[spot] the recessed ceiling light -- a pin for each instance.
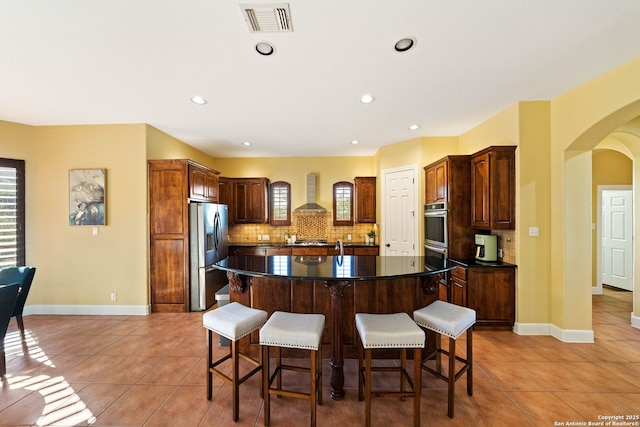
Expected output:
(404, 44)
(367, 99)
(198, 100)
(355, 142)
(414, 127)
(246, 143)
(265, 48)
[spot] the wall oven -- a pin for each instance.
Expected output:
(435, 225)
(435, 257)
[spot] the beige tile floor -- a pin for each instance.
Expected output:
(150, 371)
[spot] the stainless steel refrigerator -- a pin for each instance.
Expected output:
(208, 243)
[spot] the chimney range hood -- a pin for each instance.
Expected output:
(311, 205)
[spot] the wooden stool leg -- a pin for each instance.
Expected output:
(319, 374)
(209, 363)
(403, 366)
(470, 362)
(360, 372)
(417, 386)
(313, 390)
(265, 385)
(235, 384)
(452, 375)
(438, 357)
(367, 387)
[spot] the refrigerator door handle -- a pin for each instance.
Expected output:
(216, 230)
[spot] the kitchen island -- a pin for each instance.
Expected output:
(336, 286)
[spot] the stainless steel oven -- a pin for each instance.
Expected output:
(435, 257)
(435, 224)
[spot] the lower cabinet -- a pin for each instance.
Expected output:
(489, 290)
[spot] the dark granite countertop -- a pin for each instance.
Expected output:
(472, 262)
(347, 267)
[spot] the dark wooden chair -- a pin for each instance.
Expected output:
(23, 276)
(8, 296)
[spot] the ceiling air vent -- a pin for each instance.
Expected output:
(267, 18)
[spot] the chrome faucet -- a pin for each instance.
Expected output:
(340, 246)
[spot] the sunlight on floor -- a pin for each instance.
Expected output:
(62, 405)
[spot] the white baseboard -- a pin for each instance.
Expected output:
(564, 335)
(635, 321)
(130, 310)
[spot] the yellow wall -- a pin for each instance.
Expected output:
(73, 266)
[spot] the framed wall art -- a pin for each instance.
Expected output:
(87, 196)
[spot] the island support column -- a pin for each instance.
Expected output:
(336, 375)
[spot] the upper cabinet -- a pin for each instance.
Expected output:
(493, 188)
(203, 183)
(436, 184)
(250, 200)
(365, 199)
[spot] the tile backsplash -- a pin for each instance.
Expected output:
(305, 225)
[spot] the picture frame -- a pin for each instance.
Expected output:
(87, 197)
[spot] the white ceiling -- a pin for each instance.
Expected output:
(68, 62)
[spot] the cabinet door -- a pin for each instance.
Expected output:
(502, 182)
(169, 275)
(491, 293)
(212, 186)
(225, 195)
(436, 182)
(250, 200)
(458, 291)
(480, 191)
(197, 183)
(365, 199)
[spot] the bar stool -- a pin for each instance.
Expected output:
(451, 320)
(292, 330)
(232, 321)
(398, 331)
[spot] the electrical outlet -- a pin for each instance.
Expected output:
(114, 297)
(259, 236)
(265, 237)
(348, 236)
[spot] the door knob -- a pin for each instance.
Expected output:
(388, 245)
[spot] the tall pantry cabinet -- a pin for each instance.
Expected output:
(172, 184)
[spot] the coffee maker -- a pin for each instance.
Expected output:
(486, 247)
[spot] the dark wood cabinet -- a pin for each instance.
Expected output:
(436, 182)
(447, 180)
(493, 188)
(489, 290)
(203, 184)
(172, 183)
(365, 192)
(249, 200)
(458, 287)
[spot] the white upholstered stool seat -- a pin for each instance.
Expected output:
(298, 331)
(452, 321)
(389, 331)
(232, 321)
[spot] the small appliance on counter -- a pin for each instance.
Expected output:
(486, 247)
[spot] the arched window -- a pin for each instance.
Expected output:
(280, 203)
(342, 203)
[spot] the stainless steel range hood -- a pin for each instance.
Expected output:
(311, 205)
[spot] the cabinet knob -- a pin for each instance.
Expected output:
(388, 245)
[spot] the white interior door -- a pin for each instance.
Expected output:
(616, 240)
(399, 212)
